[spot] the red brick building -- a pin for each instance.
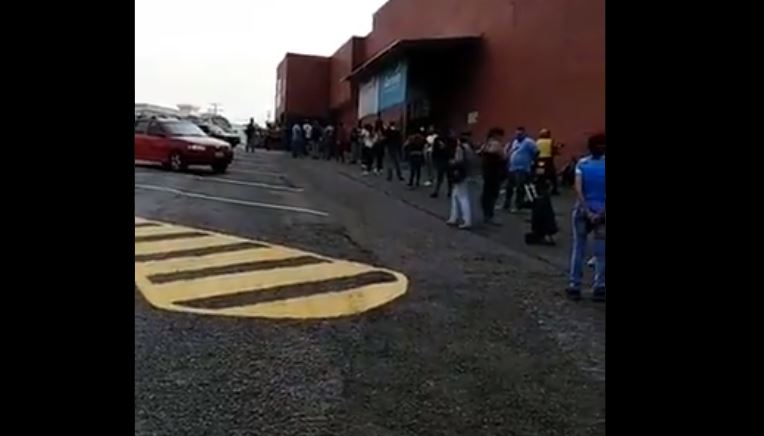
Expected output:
(463, 64)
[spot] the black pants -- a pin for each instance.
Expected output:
(339, 153)
(379, 156)
(441, 169)
(367, 157)
(516, 184)
(491, 188)
(415, 169)
(550, 173)
(394, 162)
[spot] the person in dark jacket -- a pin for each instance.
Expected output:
(394, 144)
(379, 145)
(543, 220)
(250, 132)
(414, 149)
(493, 160)
(356, 144)
(443, 148)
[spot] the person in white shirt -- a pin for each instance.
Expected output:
(432, 135)
(307, 130)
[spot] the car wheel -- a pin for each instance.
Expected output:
(219, 168)
(176, 162)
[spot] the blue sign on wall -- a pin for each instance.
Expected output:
(392, 86)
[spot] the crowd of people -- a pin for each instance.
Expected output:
(524, 166)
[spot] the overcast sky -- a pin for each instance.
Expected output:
(226, 51)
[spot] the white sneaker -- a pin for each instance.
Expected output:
(591, 262)
(365, 173)
(428, 183)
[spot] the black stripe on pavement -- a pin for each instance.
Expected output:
(147, 225)
(194, 252)
(169, 236)
(234, 268)
(307, 289)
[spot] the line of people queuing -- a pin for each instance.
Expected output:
(311, 139)
(523, 165)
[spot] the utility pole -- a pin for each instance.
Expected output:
(215, 108)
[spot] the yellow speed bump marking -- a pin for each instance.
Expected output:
(185, 269)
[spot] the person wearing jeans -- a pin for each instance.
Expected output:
(461, 202)
(589, 217)
(521, 154)
(516, 181)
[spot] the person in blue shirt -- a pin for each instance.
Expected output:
(589, 218)
(521, 154)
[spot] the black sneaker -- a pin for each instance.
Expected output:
(573, 294)
(599, 295)
(434, 195)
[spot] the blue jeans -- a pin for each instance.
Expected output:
(580, 236)
(516, 184)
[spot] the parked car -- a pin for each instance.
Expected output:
(176, 144)
(216, 126)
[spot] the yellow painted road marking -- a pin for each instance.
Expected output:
(159, 230)
(181, 244)
(285, 289)
(330, 304)
(257, 280)
(186, 264)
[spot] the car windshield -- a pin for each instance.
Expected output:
(183, 128)
(222, 123)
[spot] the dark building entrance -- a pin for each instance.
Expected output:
(437, 76)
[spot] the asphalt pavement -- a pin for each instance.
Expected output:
(480, 341)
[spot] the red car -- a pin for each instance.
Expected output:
(176, 144)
